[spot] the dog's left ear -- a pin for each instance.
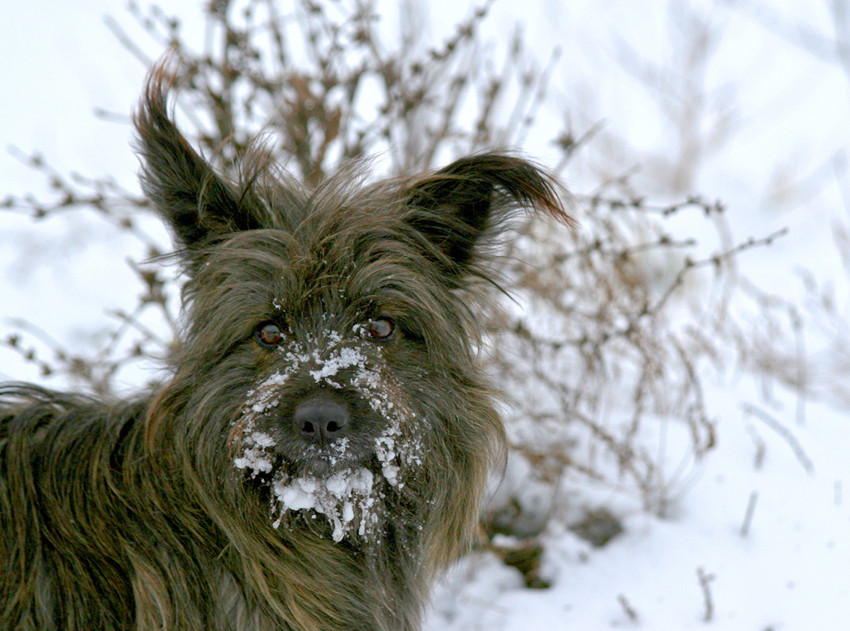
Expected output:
(194, 200)
(454, 207)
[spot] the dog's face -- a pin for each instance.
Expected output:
(331, 332)
(341, 354)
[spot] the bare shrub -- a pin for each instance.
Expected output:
(805, 343)
(599, 357)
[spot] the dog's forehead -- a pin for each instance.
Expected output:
(297, 275)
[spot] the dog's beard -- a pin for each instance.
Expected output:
(345, 483)
(352, 498)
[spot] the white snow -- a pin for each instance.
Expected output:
(339, 360)
(255, 453)
(787, 570)
(784, 165)
(335, 497)
(263, 397)
(353, 493)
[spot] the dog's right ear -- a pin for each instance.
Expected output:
(196, 202)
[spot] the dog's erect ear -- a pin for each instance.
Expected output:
(455, 206)
(183, 187)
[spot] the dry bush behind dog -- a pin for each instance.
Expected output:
(602, 358)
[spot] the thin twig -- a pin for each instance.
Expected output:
(751, 410)
(705, 585)
(627, 607)
(748, 516)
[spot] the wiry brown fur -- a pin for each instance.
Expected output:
(132, 515)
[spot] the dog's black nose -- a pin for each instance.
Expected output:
(321, 420)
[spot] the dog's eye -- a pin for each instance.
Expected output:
(380, 328)
(269, 334)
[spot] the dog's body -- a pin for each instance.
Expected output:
(323, 445)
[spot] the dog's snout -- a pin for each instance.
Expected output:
(321, 420)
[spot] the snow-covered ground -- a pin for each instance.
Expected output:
(768, 528)
(759, 535)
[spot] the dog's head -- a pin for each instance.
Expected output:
(330, 333)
